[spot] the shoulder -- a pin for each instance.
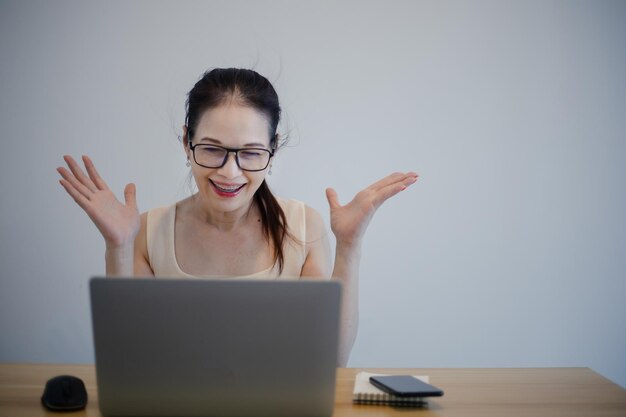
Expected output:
(145, 217)
(156, 213)
(154, 223)
(294, 211)
(156, 219)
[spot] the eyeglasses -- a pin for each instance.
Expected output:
(248, 159)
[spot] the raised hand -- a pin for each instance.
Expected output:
(118, 222)
(349, 222)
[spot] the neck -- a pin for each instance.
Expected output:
(222, 220)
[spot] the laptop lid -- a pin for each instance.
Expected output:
(183, 347)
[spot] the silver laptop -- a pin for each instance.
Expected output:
(178, 347)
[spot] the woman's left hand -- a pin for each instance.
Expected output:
(350, 221)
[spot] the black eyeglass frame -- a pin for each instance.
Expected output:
(228, 152)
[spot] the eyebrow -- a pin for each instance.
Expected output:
(218, 142)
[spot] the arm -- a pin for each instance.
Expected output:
(318, 264)
(348, 223)
(346, 271)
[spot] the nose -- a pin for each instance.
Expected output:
(230, 168)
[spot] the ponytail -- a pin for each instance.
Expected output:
(274, 222)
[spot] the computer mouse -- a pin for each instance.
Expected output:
(64, 393)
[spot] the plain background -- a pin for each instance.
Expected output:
(508, 252)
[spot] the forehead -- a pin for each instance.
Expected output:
(233, 125)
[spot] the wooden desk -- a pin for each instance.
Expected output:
(468, 392)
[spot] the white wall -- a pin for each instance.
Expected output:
(508, 252)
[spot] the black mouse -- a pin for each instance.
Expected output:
(64, 393)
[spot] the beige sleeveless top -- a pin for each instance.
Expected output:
(162, 255)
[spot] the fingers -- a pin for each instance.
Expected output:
(79, 174)
(71, 180)
(130, 195)
(389, 179)
(387, 192)
(333, 200)
(381, 190)
(93, 174)
(79, 198)
(399, 183)
(408, 179)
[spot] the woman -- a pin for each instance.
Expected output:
(233, 226)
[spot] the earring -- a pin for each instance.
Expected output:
(270, 171)
(188, 163)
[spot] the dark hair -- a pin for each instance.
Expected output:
(248, 88)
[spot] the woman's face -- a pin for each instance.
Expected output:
(229, 188)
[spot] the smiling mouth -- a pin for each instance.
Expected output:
(229, 190)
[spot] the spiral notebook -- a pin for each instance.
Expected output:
(366, 393)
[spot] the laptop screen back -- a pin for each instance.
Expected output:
(168, 347)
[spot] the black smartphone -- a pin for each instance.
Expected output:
(405, 386)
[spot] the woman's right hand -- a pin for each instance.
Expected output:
(118, 222)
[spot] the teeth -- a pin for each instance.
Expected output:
(228, 189)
